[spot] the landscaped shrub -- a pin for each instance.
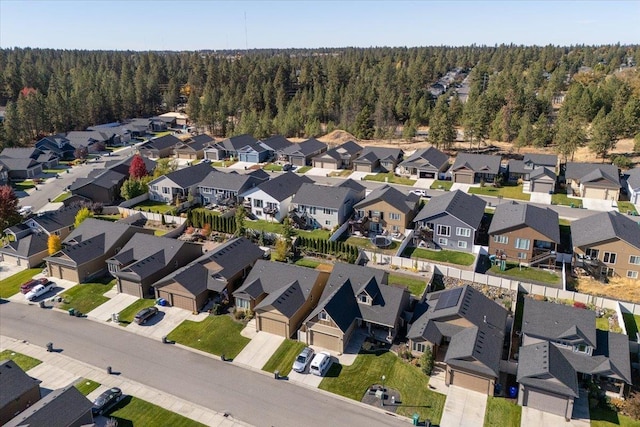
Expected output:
(578, 304)
(427, 361)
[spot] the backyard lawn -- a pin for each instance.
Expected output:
(132, 411)
(441, 185)
(526, 273)
(502, 412)
(451, 257)
(25, 362)
(318, 233)
(86, 386)
(154, 206)
(631, 323)
(126, 316)
(602, 323)
(606, 418)
(11, 285)
(272, 167)
(309, 263)
(282, 360)
(507, 191)
(415, 396)
(266, 226)
(364, 243)
(216, 334)
(390, 178)
(625, 207)
(415, 285)
(303, 170)
(62, 197)
(563, 199)
(84, 297)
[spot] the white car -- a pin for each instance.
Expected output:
(38, 291)
(421, 193)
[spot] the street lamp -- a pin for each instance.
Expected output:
(382, 398)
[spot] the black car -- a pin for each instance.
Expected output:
(287, 167)
(106, 401)
(145, 314)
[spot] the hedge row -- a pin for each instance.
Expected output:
(340, 249)
(199, 217)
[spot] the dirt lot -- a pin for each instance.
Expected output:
(620, 288)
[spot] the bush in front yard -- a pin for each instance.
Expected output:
(427, 361)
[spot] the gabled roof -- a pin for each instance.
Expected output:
(161, 143)
(548, 160)
(354, 185)
(187, 177)
(19, 164)
(392, 196)
(633, 178)
(260, 174)
(276, 142)
(196, 143)
(46, 157)
(27, 246)
(541, 172)
(55, 143)
(371, 155)
(15, 382)
(427, 158)
(123, 165)
(237, 142)
(322, 196)
(107, 179)
(591, 172)
(228, 181)
(304, 148)
(84, 138)
(605, 226)
(287, 300)
(514, 215)
(201, 140)
(60, 408)
(52, 221)
(468, 208)
(349, 148)
(478, 163)
(284, 185)
(21, 152)
(543, 365)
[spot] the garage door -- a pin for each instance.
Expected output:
(541, 187)
(363, 168)
(325, 341)
(546, 402)
(470, 382)
(298, 161)
(182, 302)
(9, 259)
(272, 326)
(595, 193)
(427, 175)
(463, 178)
(130, 288)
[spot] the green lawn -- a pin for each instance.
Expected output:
(452, 257)
(502, 412)
(343, 173)
(215, 334)
(507, 191)
(160, 232)
(266, 226)
(625, 207)
(62, 197)
(111, 218)
(86, 386)
(353, 381)
(24, 185)
(306, 262)
(526, 273)
(363, 242)
(84, 297)
(606, 418)
(318, 233)
(11, 285)
(272, 167)
(631, 323)
(126, 315)
(153, 206)
(223, 163)
(441, 185)
(390, 178)
(416, 286)
(25, 362)
(282, 360)
(161, 134)
(602, 323)
(564, 222)
(303, 170)
(132, 411)
(563, 199)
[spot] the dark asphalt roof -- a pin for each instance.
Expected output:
(228, 181)
(187, 177)
(21, 152)
(304, 148)
(427, 158)
(544, 366)
(550, 321)
(60, 408)
(284, 185)
(322, 196)
(349, 148)
(605, 226)
(370, 155)
(633, 178)
(590, 172)
(14, 382)
(549, 160)
(27, 246)
(235, 143)
(392, 196)
(513, 215)
(107, 179)
(276, 142)
(354, 185)
(55, 220)
(19, 164)
(467, 208)
(539, 172)
(287, 300)
(162, 142)
(485, 163)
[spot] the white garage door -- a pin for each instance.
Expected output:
(546, 402)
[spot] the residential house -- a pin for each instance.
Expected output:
(58, 145)
(20, 169)
(386, 209)
(633, 185)
(474, 168)
(64, 407)
(271, 199)
(322, 206)
(217, 273)
(18, 392)
(607, 244)
(47, 159)
(94, 140)
(280, 295)
(451, 221)
(118, 133)
(521, 169)
(301, 154)
(525, 234)
(561, 347)
(178, 120)
(145, 259)
(179, 183)
(340, 157)
(193, 148)
(426, 163)
(59, 222)
(541, 180)
(161, 123)
(85, 251)
(159, 148)
(593, 180)
(465, 330)
(378, 159)
(123, 166)
(355, 299)
(27, 251)
(225, 188)
(229, 147)
(276, 143)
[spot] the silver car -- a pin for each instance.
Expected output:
(303, 360)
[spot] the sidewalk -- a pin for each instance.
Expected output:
(57, 370)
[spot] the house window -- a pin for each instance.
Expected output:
(258, 213)
(323, 316)
(419, 347)
(395, 228)
(632, 274)
(165, 190)
(607, 271)
(592, 253)
(462, 244)
(154, 187)
(394, 216)
(523, 244)
(580, 348)
(609, 258)
(327, 211)
(634, 259)
(464, 232)
(327, 222)
(444, 230)
(442, 241)
(243, 304)
(257, 203)
(501, 239)
(312, 210)
(362, 298)
(376, 214)
(522, 255)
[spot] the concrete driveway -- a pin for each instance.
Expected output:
(167, 319)
(9, 269)
(462, 187)
(357, 176)
(424, 183)
(61, 285)
(241, 165)
(542, 198)
(116, 304)
(319, 172)
(580, 418)
(465, 408)
(258, 352)
(598, 205)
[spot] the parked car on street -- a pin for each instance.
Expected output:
(419, 192)
(145, 314)
(303, 360)
(38, 291)
(27, 286)
(106, 401)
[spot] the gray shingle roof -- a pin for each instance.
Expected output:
(354, 185)
(228, 181)
(107, 179)
(633, 178)
(162, 142)
(27, 246)
(605, 226)
(539, 172)
(287, 300)
(276, 142)
(614, 347)
(590, 172)
(84, 138)
(397, 199)
(514, 215)
(60, 408)
(549, 160)
(543, 365)
(349, 148)
(304, 148)
(550, 321)
(55, 220)
(371, 154)
(284, 185)
(20, 152)
(235, 143)
(189, 176)
(322, 196)
(485, 163)
(467, 208)
(427, 158)
(14, 382)
(19, 164)
(198, 142)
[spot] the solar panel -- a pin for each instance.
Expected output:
(449, 299)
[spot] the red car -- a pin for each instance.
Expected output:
(28, 286)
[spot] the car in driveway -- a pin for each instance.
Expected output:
(320, 364)
(38, 291)
(303, 360)
(145, 314)
(106, 401)
(27, 286)
(287, 167)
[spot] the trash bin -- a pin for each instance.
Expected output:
(276, 375)
(109, 371)
(49, 347)
(41, 304)
(72, 311)
(416, 419)
(513, 392)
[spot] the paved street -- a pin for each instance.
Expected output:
(249, 396)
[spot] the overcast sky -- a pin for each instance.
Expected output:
(194, 25)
